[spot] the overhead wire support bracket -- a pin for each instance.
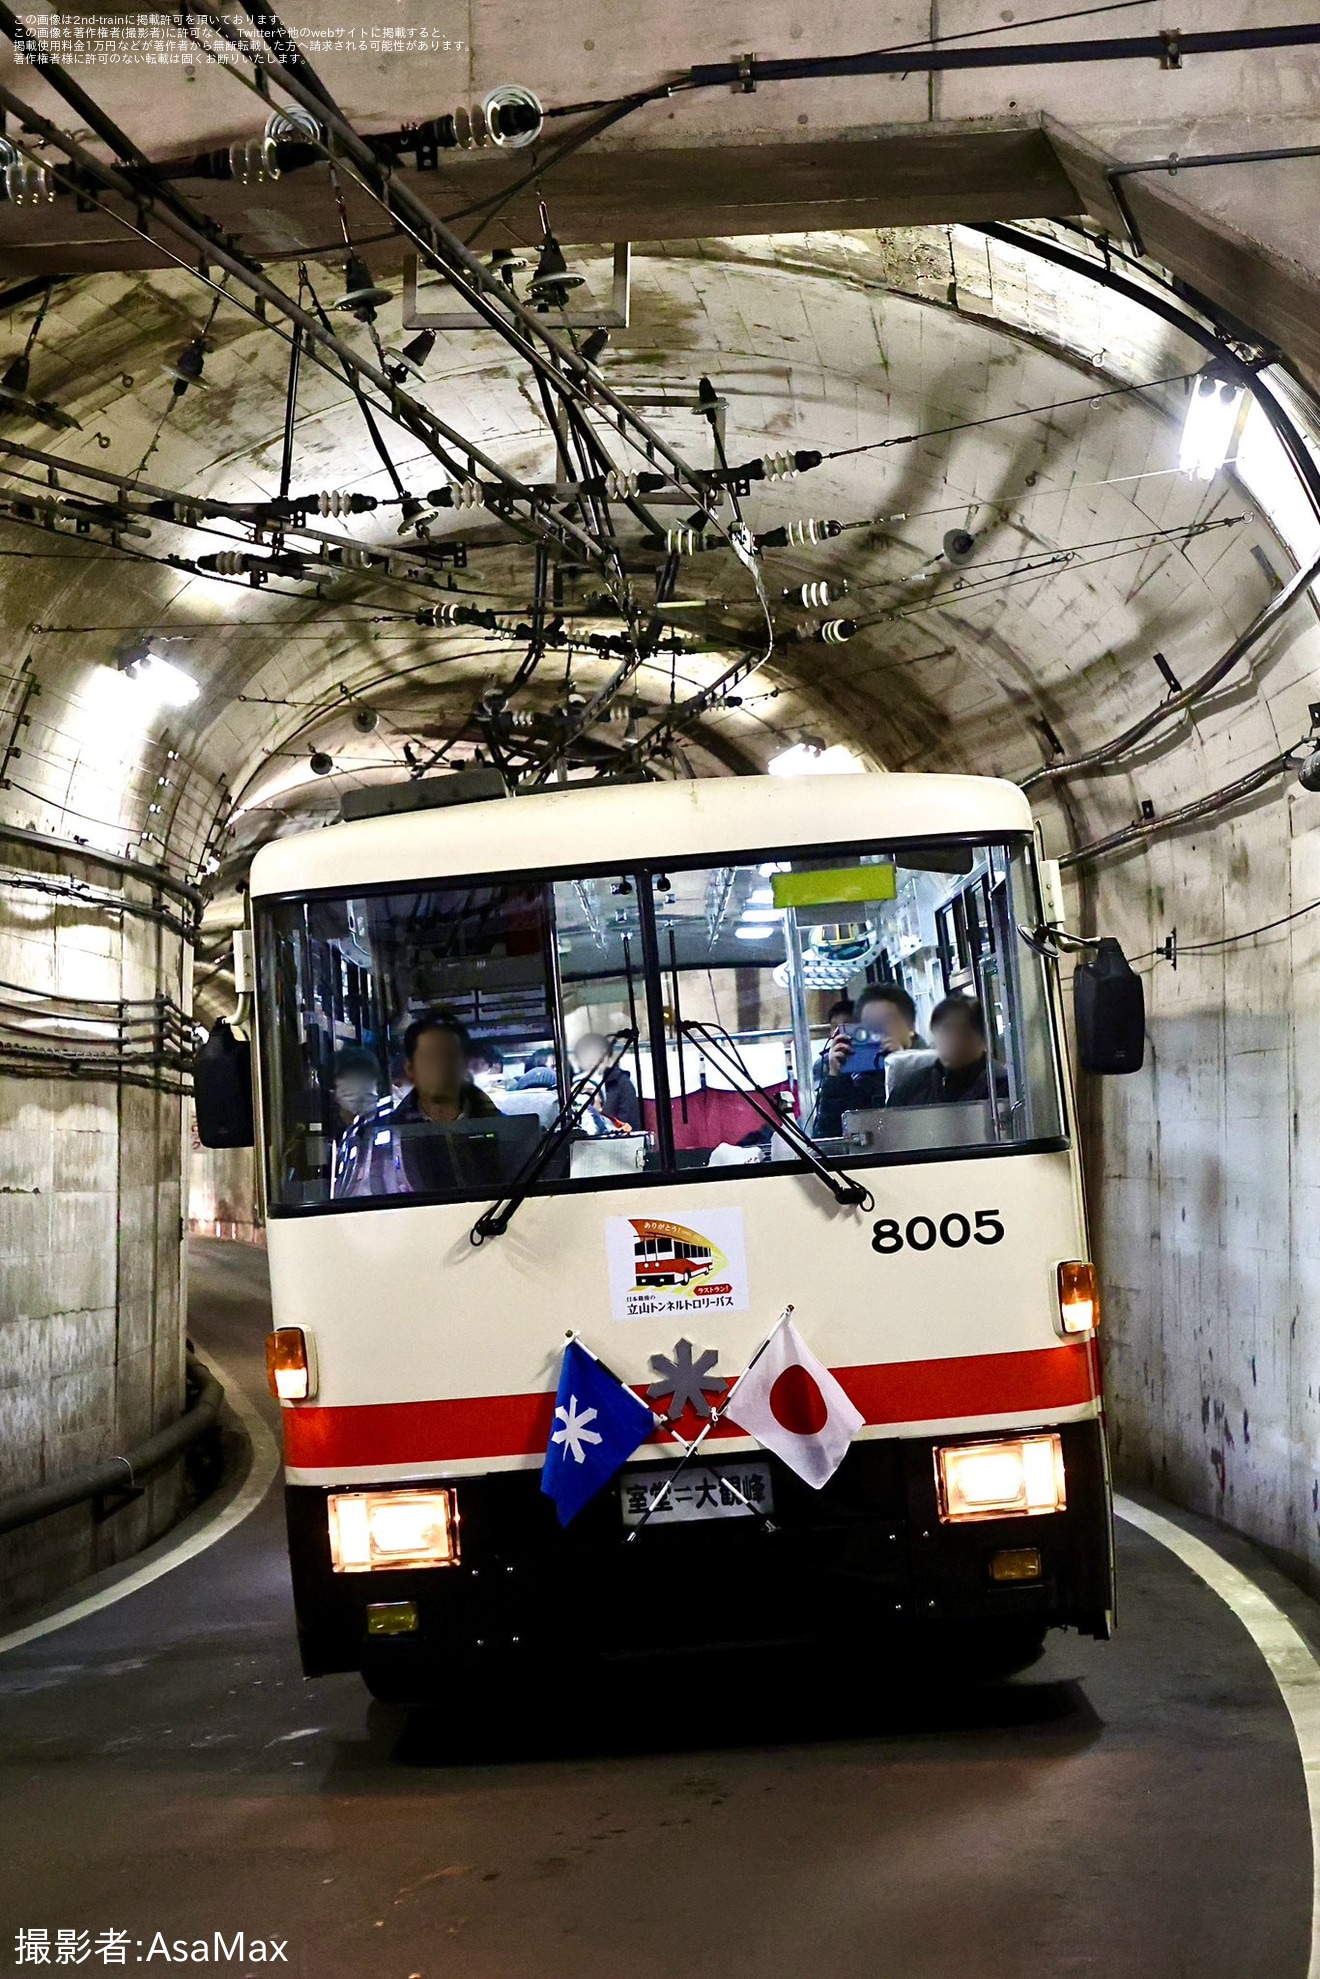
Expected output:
(527, 332)
(616, 316)
(134, 182)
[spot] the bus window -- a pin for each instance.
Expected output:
(424, 1041)
(598, 948)
(462, 975)
(951, 1043)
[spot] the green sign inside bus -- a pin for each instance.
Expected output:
(847, 886)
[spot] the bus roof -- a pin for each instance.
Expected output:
(577, 826)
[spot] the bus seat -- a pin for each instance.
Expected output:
(899, 1063)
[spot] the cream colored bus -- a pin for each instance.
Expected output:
(655, 1137)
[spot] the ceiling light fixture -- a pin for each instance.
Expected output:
(1210, 425)
(165, 682)
(812, 758)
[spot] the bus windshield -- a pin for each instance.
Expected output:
(421, 1041)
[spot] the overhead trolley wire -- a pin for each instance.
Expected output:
(996, 418)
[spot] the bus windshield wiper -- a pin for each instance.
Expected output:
(720, 1050)
(493, 1222)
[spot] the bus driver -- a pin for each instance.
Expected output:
(436, 1051)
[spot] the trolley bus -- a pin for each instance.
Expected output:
(691, 937)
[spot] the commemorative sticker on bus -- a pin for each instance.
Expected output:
(658, 1265)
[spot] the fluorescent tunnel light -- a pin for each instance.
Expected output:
(165, 682)
(1212, 413)
(803, 760)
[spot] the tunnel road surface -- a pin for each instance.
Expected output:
(1131, 1808)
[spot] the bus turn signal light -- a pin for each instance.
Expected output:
(288, 1364)
(1079, 1298)
(1008, 1479)
(377, 1529)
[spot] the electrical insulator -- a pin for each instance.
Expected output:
(226, 563)
(520, 718)
(769, 467)
(294, 122)
(618, 484)
(835, 631)
(814, 595)
(188, 514)
(683, 541)
(508, 116)
(451, 612)
(459, 494)
(332, 501)
(253, 160)
(796, 535)
(352, 557)
(28, 184)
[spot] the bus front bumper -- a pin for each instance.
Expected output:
(867, 1555)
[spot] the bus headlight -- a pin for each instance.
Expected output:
(1020, 1475)
(374, 1529)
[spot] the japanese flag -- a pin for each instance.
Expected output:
(790, 1402)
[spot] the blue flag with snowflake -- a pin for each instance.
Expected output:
(598, 1424)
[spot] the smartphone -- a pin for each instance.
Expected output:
(869, 1050)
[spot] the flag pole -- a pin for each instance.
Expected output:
(717, 1416)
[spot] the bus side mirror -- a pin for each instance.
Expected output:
(1109, 1009)
(222, 1090)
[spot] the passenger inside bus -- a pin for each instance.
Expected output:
(485, 1061)
(538, 1073)
(617, 1099)
(357, 1084)
(885, 1022)
(961, 1068)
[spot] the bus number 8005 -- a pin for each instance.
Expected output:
(922, 1233)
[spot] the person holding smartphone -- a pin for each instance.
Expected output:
(885, 1020)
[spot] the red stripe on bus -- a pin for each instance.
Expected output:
(1030, 1383)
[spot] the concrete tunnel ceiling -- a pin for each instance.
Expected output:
(1092, 552)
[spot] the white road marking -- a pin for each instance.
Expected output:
(1289, 1657)
(203, 1532)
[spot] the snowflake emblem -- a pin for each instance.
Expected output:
(685, 1381)
(575, 1433)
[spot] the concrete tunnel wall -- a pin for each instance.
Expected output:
(1203, 1172)
(92, 1286)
